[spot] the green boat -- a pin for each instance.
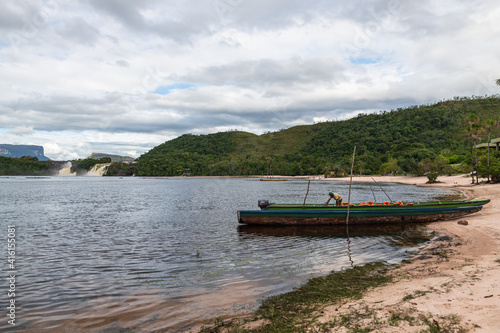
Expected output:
(356, 216)
(266, 205)
(423, 212)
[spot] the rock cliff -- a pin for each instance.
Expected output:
(114, 158)
(8, 150)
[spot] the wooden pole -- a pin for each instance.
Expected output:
(350, 185)
(347, 217)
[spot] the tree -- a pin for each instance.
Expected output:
(488, 124)
(472, 121)
(495, 168)
(390, 167)
(476, 131)
(498, 82)
(432, 176)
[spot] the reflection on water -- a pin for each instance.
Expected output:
(349, 252)
(397, 235)
(333, 230)
(160, 253)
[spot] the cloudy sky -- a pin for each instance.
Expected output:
(122, 76)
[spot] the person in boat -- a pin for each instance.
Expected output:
(336, 196)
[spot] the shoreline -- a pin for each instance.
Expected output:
(453, 280)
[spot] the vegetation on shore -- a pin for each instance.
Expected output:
(31, 166)
(120, 169)
(24, 166)
(420, 140)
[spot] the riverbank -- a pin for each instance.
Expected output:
(451, 285)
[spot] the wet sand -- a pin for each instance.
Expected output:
(456, 275)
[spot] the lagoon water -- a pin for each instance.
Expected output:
(167, 254)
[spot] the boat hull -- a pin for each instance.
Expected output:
(359, 216)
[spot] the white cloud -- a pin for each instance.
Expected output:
(22, 130)
(79, 77)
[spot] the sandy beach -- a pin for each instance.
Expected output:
(456, 277)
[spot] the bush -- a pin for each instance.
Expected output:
(432, 176)
(120, 169)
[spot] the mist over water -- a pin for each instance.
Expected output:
(94, 248)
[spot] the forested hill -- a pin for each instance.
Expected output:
(404, 137)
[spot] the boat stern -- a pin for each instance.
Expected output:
(263, 204)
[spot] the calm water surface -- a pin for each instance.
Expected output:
(162, 254)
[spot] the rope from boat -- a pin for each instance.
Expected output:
(374, 198)
(304, 205)
(382, 189)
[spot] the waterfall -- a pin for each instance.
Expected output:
(98, 170)
(66, 170)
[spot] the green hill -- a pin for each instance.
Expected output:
(403, 136)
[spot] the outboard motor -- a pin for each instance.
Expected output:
(263, 204)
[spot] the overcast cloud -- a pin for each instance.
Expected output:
(121, 77)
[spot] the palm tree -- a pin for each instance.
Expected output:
(476, 130)
(469, 135)
(498, 82)
(472, 120)
(488, 124)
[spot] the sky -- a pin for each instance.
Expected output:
(122, 76)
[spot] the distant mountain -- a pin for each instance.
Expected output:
(23, 150)
(114, 158)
